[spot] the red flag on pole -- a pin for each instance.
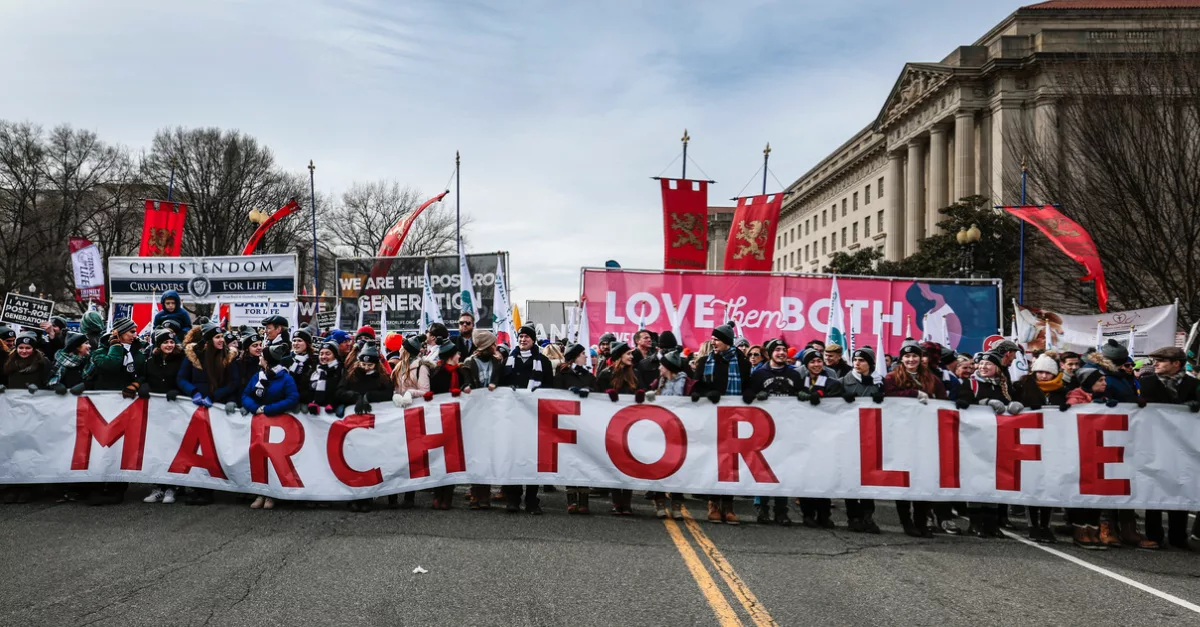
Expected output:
(390, 247)
(282, 213)
(162, 229)
(1070, 238)
(685, 224)
(751, 244)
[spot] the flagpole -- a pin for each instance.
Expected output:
(1021, 275)
(171, 185)
(684, 139)
(458, 202)
(312, 198)
(766, 157)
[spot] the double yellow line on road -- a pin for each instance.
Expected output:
(726, 616)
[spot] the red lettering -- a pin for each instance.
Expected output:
(420, 442)
(730, 447)
(1093, 454)
(335, 451)
(279, 454)
(948, 455)
(130, 424)
(616, 441)
(1010, 452)
(550, 435)
(198, 450)
(870, 448)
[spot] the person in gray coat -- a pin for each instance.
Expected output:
(860, 382)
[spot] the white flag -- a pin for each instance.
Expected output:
(837, 317)
(155, 307)
(383, 318)
(1019, 367)
(88, 265)
(585, 336)
(430, 312)
(1129, 346)
(572, 326)
(502, 322)
(1099, 334)
(880, 361)
(337, 323)
(466, 284)
(361, 308)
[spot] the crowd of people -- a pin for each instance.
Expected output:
(274, 369)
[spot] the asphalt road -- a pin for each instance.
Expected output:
(138, 564)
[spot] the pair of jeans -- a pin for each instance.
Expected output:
(512, 495)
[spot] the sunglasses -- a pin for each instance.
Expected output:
(465, 323)
(758, 355)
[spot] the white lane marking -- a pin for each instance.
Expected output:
(1108, 573)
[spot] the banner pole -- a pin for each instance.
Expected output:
(312, 197)
(766, 158)
(458, 202)
(684, 139)
(1021, 272)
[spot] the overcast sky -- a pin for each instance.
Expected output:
(562, 110)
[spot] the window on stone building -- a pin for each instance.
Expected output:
(806, 252)
(843, 237)
(824, 221)
(822, 245)
(833, 242)
(854, 232)
(806, 227)
(778, 241)
(843, 207)
(855, 206)
(879, 221)
(879, 188)
(867, 196)
(867, 226)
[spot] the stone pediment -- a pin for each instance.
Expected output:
(916, 81)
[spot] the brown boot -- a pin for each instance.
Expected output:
(1107, 536)
(660, 506)
(714, 512)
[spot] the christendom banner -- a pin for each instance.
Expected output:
(751, 244)
(685, 224)
(1089, 456)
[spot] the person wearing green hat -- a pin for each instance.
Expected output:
(92, 327)
(122, 365)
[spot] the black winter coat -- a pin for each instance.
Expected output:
(162, 371)
(1155, 391)
(518, 373)
(719, 380)
(1030, 395)
(22, 373)
(301, 374)
(784, 382)
(605, 382)
(470, 368)
(377, 387)
(331, 376)
(574, 377)
(974, 391)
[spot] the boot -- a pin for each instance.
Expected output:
(1129, 532)
(676, 509)
(1082, 538)
(781, 518)
(869, 525)
(714, 512)
(1107, 536)
(410, 500)
(660, 507)
(393, 501)
(572, 502)
(764, 514)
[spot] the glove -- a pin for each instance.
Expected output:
(329, 409)
(747, 398)
(1112, 402)
(398, 399)
(428, 396)
(877, 397)
(639, 396)
(1015, 408)
(143, 391)
(172, 394)
(762, 396)
(1194, 406)
(407, 401)
(651, 395)
(612, 395)
(2, 389)
(997, 406)
(76, 389)
(961, 403)
(814, 399)
(362, 406)
(455, 392)
(130, 391)
(60, 389)
(848, 397)
(583, 392)
(33, 388)
(313, 409)
(922, 397)
(198, 399)
(1065, 407)
(244, 411)
(229, 407)
(695, 396)
(803, 396)
(1141, 402)
(714, 397)
(340, 412)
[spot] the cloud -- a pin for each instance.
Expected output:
(562, 111)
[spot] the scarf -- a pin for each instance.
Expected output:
(298, 360)
(263, 377)
(1171, 383)
(453, 370)
(321, 374)
(64, 361)
(127, 362)
(734, 384)
(1000, 382)
(1053, 384)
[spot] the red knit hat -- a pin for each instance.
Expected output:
(393, 342)
(365, 330)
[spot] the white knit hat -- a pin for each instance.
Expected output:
(1045, 363)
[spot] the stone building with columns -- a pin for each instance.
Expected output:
(947, 130)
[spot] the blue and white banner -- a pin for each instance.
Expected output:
(203, 279)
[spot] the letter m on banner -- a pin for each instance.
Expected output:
(130, 424)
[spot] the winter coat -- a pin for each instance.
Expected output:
(678, 385)
(949, 380)
(785, 381)
(279, 394)
(162, 371)
(574, 377)
(376, 387)
(1155, 391)
(976, 391)
(605, 382)
(194, 380)
(443, 381)
(470, 367)
(109, 371)
(646, 368)
(323, 383)
(1030, 395)
(22, 373)
(841, 369)
(860, 387)
(179, 315)
(248, 367)
(416, 380)
(67, 376)
(718, 381)
(1121, 386)
(519, 372)
(301, 372)
(893, 385)
(824, 385)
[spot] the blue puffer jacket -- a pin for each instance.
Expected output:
(179, 315)
(192, 377)
(279, 394)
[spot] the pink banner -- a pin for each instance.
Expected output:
(796, 308)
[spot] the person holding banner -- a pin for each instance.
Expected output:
(1169, 384)
(818, 381)
(723, 372)
(250, 346)
(525, 369)
(72, 365)
(861, 383)
(325, 379)
(774, 378)
(365, 383)
(484, 369)
(172, 309)
(122, 365)
(911, 379)
(301, 363)
(447, 379)
(209, 374)
(26, 366)
(162, 368)
(270, 393)
(1042, 387)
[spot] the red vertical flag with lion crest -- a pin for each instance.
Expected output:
(751, 245)
(162, 229)
(1070, 238)
(685, 224)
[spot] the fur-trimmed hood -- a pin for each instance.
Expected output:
(190, 351)
(1100, 361)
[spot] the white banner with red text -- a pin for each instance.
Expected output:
(1091, 455)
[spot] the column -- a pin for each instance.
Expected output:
(984, 153)
(964, 154)
(939, 184)
(914, 197)
(1006, 164)
(894, 246)
(1045, 117)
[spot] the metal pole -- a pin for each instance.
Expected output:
(684, 139)
(457, 203)
(1021, 274)
(312, 198)
(766, 157)
(171, 185)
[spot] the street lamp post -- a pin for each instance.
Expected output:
(967, 238)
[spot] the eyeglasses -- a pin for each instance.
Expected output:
(465, 323)
(758, 355)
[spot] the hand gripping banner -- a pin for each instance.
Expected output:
(1089, 456)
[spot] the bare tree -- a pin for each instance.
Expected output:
(1121, 155)
(358, 225)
